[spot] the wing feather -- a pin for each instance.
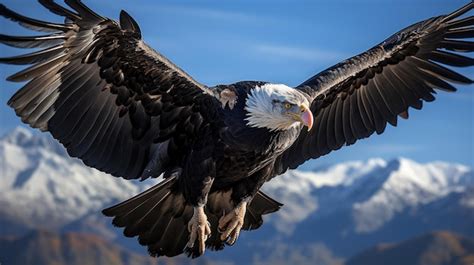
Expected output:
(363, 112)
(330, 130)
(27, 42)
(457, 45)
(37, 69)
(33, 24)
(338, 121)
(357, 125)
(346, 123)
(322, 135)
(449, 58)
(59, 10)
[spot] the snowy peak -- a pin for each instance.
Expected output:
(18, 136)
(343, 174)
(409, 185)
(26, 138)
(421, 183)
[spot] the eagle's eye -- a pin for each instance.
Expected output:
(287, 106)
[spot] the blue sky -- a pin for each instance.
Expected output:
(286, 42)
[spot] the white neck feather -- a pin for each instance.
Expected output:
(260, 108)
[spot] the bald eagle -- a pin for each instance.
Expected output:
(126, 110)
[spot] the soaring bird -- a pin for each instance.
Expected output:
(126, 110)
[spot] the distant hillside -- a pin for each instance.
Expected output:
(438, 248)
(48, 248)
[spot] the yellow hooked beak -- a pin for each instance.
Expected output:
(305, 116)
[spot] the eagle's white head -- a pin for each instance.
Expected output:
(277, 107)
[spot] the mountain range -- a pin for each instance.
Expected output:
(330, 214)
(42, 247)
(438, 248)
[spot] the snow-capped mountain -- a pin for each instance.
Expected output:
(299, 190)
(41, 187)
(373, 191)
(409, 185)
(347, 206)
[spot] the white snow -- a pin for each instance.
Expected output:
(409, 185)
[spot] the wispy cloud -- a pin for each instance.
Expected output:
(298, 53)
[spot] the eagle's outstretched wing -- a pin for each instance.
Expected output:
(358, 96)
(101, 91)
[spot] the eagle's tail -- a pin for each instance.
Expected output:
(159, 217)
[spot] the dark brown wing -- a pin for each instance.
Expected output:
(357, 97)
(100, 90)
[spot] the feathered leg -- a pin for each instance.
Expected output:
(196, 182)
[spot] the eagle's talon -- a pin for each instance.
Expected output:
(199, 229)
(231, 224)
(233, 237)
(219, 230)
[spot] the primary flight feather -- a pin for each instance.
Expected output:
(125, 109)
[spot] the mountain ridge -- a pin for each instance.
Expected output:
(436, 248)
(42, 247)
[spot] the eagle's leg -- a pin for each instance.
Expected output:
(242, 193)
(196, 180)
(199, 229)
(231, 223)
